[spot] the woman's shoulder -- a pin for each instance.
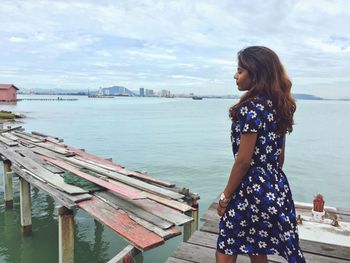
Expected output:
(258, 103)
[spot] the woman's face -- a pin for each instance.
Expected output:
(243, 79)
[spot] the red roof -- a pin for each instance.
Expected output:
(8, 86)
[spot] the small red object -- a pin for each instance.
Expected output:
(319, 203)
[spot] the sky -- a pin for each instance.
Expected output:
(183, 46)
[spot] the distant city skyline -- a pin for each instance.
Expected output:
(183, 46)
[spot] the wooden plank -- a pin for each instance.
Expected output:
(211, 227)
(51, 178)
(11, 129)
(106, 184)
(328, 250)
(44, 135)
(10, 136)
(205, 239)
(183, 207)
(165, 201)
(127, 180)
(119, 221)
(115, 175)
(25, 143)
(28, 153)
(162, 211)
(53, 148)
(211, 214)
(126, 255)
(166, 234)
(112, 166)
(131, 207)
(63, 198)
(28, 136)
(7, 141)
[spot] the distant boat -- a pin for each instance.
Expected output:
(197, 98)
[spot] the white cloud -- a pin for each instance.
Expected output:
(144, 42)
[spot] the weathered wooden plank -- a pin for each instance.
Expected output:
(44, 135)
(211, 227)
(28, 136)
(162, 211)
(128, 180)
(53, 179)
(114, 175)
(119, 221)
(10, 136)
(46, 152)
(166, 234)
(131, 207)
(183, 207)
(28, 153)
(115, 167)
(125, 255)
(211, 214)
(327, 250)
(11, 129)
(100, 182)
(54, 148)
(205, 239)
(7, 141)
(25, 143)
(63, 198)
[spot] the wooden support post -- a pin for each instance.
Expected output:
(25, 206)
(192, 226)
(8, 194)
(65, 235)
(126, 255)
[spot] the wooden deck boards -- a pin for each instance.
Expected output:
(142, 209)
(201, 246)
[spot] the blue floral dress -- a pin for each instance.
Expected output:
(260, 218)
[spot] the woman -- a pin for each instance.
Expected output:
(257, 209)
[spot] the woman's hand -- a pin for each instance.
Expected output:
(221, 208)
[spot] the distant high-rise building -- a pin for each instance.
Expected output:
(165, 93)
(142, 92)
(149, 93)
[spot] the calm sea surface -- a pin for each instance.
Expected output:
(181, 140)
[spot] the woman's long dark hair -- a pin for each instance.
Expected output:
(269, 80)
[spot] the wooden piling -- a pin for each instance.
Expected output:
(26, 207)
(126, 255)
(8, 191)
(65, 235)
(191, 227)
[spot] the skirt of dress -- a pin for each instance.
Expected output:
(260, 219)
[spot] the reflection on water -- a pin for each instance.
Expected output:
(92, 240)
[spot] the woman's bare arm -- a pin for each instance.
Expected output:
(240, 166)
(281, 158)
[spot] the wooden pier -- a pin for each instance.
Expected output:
(142, 209)
(321, 242)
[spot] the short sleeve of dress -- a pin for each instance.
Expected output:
(249, 115)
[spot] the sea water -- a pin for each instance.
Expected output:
(181, 140)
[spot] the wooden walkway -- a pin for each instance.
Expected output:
(142, 209)
(320, 242)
